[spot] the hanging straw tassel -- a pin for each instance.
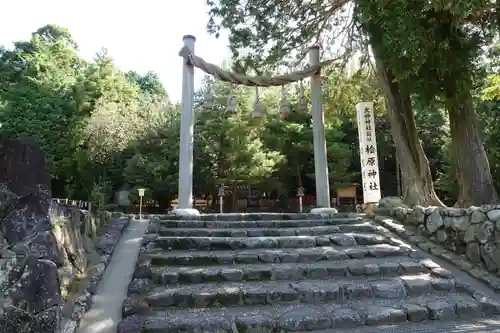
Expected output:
(284, 104)
(259, 109)
(231, 102)
(208, 100)
(302, 99)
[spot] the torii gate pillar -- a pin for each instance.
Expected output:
(187, 136)
(320, 159)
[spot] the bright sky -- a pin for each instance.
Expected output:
(140, 35)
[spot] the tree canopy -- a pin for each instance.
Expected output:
(103, 129)
(423, 52)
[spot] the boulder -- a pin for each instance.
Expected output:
(42, 246)
(493, 215)
(66, 222)
(473, 252)
(457, 223)
(30, 293)
(418, 215)
(33, 286)
(485, 232)
(477, 216)
(23, 169)
(390, 202)
(434, 220)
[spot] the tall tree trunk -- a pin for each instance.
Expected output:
(473, 169)
(417, 185)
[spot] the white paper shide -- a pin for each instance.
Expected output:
(368, 152)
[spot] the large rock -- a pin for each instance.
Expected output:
(30, 293)
(27, 228)
(485, 232)
(42, 246)
(390, 202)
(477, 216)
(38, 286)
(434, 220)
(419, 214)
(470, 233)
(23, 169)
(31, 285)
(28, 217)
(457, 223)
(7, 200)
(66, 224)
(491, 256)
(494, 214)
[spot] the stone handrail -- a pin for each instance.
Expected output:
(473, 233)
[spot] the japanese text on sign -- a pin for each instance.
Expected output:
(368, 152)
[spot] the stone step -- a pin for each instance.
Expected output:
(462, 324)
(331, 315)
(372, 267)
(251, 216)
(266, 232)
(466, 324)
(256, 224)
(347, 289)
(200, 258)
(233, 243)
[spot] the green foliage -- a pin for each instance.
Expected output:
(85, 115)
(293, 137)
(492, 91)
(489, 115)
(99, 194)
(435, 138)
(433, 47)
(149, 83)
(491, 88)
(36, 87)
(446, 181)
(154, 162)
(102, 128)
(229, 145)
(432, 50)
(269, 33)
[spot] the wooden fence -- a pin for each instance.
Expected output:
(87, 205)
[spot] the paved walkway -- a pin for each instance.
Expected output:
(107, 302)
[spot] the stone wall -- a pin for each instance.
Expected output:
(30, 257)
(44, 247)
(47, 278)
(110, 226)
(473, 233)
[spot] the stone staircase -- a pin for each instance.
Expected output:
(287, 273)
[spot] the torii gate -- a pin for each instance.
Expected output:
(190, 60)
